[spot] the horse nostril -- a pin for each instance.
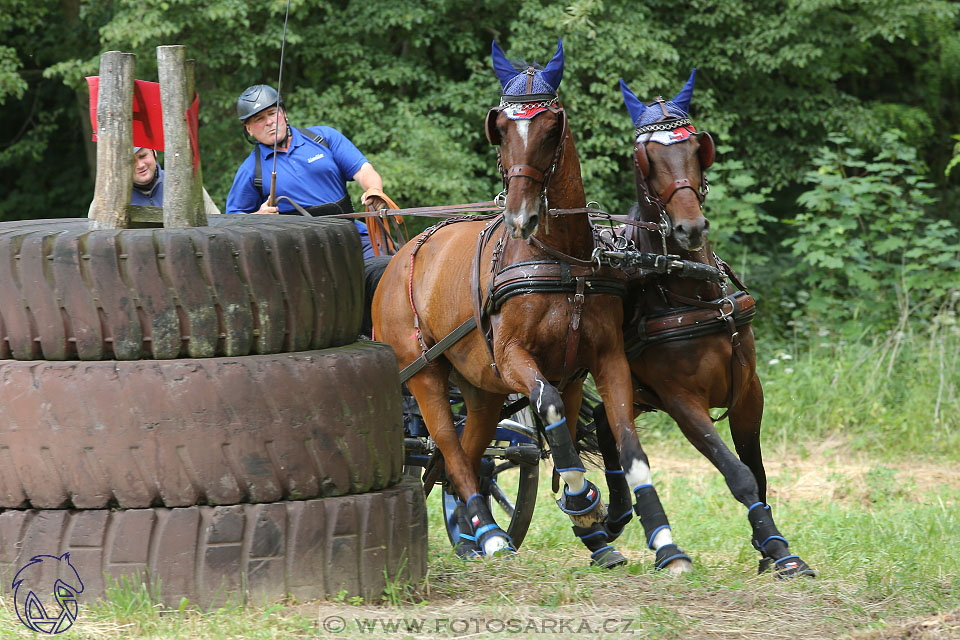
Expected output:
(706, 225)
(533, 222)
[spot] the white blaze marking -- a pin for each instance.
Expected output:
(523, 128)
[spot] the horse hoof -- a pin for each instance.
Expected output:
(607, 558)
(504, 553)
(498, 545)
(673, 559)
(678, 567)
(786, 567)
(468, 550)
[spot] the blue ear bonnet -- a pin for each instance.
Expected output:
(518, 86)
(514, 81)
(642, 115)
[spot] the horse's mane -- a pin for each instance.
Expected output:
(520, 65)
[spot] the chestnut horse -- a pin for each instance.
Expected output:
(548, 312)
(690, 342)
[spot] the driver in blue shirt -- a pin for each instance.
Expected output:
(313, 167)
(311, 171)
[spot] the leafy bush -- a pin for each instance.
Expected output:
(867, 249)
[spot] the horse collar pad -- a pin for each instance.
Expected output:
(668, 137)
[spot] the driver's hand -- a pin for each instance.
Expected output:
(266, 208)
(376, 203)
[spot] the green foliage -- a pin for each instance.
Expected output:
(865, 245)
(955, 160)
(738, 221)
(410, 82)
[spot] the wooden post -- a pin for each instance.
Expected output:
(182, 187)
(114, 141)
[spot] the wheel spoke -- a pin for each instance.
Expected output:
(497, 493)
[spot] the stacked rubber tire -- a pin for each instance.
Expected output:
(191, 407)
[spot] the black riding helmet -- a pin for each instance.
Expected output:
(255, 99)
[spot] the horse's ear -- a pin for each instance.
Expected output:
(640, 159)
(490, 127)
(552, 74)
(707, 150)
(504, 70)
(634, 107)
(682, 99)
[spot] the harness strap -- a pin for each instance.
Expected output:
(426, 235)
(481, 306)
(727, 269)
(436, 350)
(550, 276)
(559, 255)
(526, 171)
(676, 185)
(728, 317)
(258, 171)
(573, 330)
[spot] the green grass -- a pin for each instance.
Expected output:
(890, 396)
(862, 460)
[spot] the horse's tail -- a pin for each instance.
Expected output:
(588, 446)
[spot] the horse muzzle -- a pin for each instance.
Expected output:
(690, 235)
(521, 225)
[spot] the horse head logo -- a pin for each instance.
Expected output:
(45, 594)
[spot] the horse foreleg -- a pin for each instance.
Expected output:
(580, 499)
(483, 414)
(430, 389)
(584, 504)
(745, 421)
(694, 421)
(620, 508)
(613, 382)
(521, 371)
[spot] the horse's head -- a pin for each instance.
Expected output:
(529, 126)
(670, 158)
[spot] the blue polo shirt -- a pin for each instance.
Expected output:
(308, 173)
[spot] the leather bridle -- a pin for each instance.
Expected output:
(540, 176)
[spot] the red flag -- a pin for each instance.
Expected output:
(147, 113)
(193, 128)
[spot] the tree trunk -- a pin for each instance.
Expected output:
(114, 141)
(183, 204)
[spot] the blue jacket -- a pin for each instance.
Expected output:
(153, 198)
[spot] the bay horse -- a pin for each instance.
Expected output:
(544, 314)
(689, 342)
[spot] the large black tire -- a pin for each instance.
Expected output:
(306, 549)
(215, 431)
(246, 284)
